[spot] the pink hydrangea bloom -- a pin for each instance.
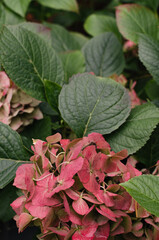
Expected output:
(71, 189)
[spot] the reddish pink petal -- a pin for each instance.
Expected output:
(74, 217)
(90, 198)
(92, 184)
(18, 204)
(37, 211)
(70, 169)
(72, 194)
(86, 233)
(107, 213)
(80, 206)
(60, 232)
(102, 232)
(64, 143)
(25, 171)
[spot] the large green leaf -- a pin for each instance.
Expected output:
(12, 154)
(144, 189)
(133, 19)
(149, 55)
(135, 132)
(149, 154)
(67, 5)
(104, 55)
(90, 104)
(62, 40)
(96, 24)
(18, 6)
(28, 60)
(73, 63)
(43, 31)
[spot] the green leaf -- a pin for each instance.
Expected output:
(62, 40)
(133, 19)
(28, 60)
(104, 55)
(149, 154)
(90, 104)
(12, 154)
(40, 129)
(153, 4)
(67, 5)
(73, 63)
(96, 24)
(135, 132)
(80, 38)
(7, 196)
(152, 90)
(144, 189)
(18, 6)
(149, 55)
(52, 91)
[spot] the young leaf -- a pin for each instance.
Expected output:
(90, 104)
(28, 60)
(73, 63)
(149, 55)
(135, 132)
(32, 131)
(104, 55)
(96, 24)
(80, 38)
(62, 40)
(133, 19)
(52, 91)
(149, 154)
(18, 6)
(144, 189)
(67, 5)
(12, 154)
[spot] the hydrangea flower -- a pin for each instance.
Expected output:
(71, 189)
(17, 109)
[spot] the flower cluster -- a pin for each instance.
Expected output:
(17, 109)
(71, 190)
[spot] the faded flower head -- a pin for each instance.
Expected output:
(17, 109)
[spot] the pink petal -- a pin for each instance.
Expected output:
(18, 204)
(37, 211)
(102, 232)
(80, 206)
(24, 220)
